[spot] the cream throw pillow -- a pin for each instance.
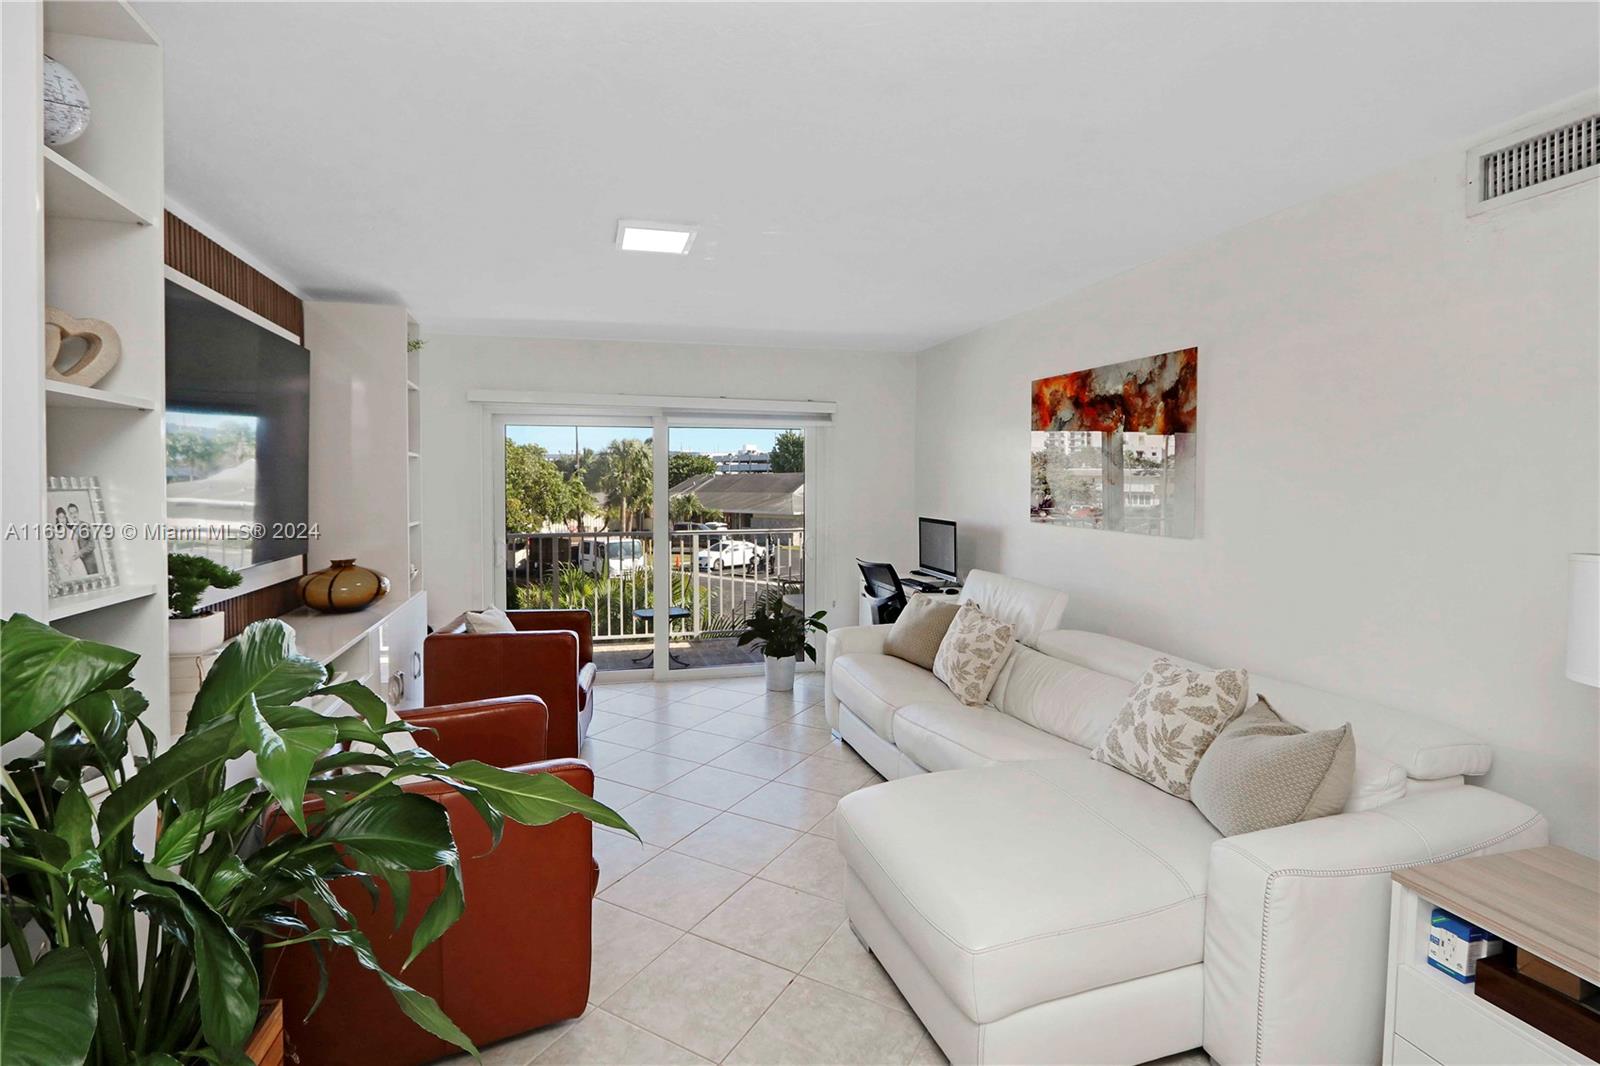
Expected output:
(1170, 719)
(1262, 772)
(971, 654)
(920, 629)
(489, 620)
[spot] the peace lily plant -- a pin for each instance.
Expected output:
(172, 841)
(782, 633)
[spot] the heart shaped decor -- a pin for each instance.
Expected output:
(101, 348)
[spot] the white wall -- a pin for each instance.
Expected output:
(1398, 429)
(866, 479)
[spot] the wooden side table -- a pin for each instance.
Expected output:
(1544, 900)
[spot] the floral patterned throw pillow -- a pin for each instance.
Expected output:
(1169, 721)
(971, 654)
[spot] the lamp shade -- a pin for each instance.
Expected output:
(1583, 620)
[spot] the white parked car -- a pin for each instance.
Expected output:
(727, 553)
(611, 558)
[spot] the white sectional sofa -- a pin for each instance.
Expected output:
(1036, 906)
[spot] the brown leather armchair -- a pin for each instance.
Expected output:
(551, 655)
(517, 959)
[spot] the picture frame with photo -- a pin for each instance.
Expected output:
(79, 550)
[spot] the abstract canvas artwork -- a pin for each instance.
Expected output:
(1114, 447)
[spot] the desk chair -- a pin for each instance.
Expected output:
(884, 592)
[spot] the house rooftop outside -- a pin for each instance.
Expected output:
(753, 494)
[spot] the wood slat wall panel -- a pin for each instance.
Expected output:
(249, 607)
(192, 253)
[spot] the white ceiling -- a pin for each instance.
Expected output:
(882, 176)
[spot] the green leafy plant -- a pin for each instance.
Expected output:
(188, 577)
(789, 452)
(173, 841)
(779, 630)
(681, 466)
(539, 492)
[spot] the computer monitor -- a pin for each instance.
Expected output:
(936, 540)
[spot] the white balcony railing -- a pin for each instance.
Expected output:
(716, 576)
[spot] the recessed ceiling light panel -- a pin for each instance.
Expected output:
(666, 238)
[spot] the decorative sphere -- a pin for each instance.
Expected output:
(66, 105)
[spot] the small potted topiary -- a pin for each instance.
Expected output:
(188, 576)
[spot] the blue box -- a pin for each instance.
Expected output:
(1455, 945)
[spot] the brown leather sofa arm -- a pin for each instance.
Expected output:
(579, 622)
(500, 731)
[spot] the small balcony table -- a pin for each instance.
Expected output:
(648, 614)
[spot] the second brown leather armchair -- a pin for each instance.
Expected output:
(551, 655)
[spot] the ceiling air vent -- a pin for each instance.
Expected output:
(1521, 165)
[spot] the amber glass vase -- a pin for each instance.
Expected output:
(343, 586)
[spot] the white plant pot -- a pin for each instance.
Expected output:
(780, 674)
(194, 636)
(185, 674)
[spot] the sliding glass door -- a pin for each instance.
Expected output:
(577, 532)
(579, 525)
(736, 503)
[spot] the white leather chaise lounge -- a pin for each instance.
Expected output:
(1035, 906)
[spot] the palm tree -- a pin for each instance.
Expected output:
(629, 476)
(580, 501)
(688, 508)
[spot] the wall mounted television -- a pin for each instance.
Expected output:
(238, 435)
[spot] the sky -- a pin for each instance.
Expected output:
(557, 440)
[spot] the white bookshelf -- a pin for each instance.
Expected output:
(109, 20)
(68, 606)
(72, 192)
(414, 456)
(89, 214)
(62, 394)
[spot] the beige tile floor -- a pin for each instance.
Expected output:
(722, 937)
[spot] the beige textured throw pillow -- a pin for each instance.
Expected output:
(971, 654)
(1169, 720)
(921, 627)
(1263, 772)
(489, 620)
